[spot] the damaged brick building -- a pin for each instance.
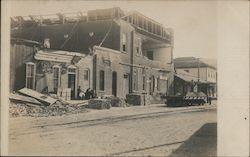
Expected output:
(108, 50)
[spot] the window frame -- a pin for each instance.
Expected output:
(124, 42)
(33, 77)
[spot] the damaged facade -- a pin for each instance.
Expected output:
(107, 50)
(194, 74)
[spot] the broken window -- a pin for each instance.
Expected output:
(56, 77)
(124, 42)
(101, 83)
(150, 55)
(30, 75)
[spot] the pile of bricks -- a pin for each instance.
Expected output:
(56, 109)
(99, 104)
(23, 109)
(116, 101)
(137, 99)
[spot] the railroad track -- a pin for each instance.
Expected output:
(45, 128)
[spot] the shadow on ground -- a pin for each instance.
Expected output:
(201, 144)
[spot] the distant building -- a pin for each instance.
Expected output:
(127, 52)
(190, 69)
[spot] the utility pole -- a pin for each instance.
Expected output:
(198, 61)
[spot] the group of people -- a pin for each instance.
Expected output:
(90, 93)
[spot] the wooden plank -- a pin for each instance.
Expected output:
(26, 99)
(40, 97)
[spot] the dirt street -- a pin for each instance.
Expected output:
(154, 130)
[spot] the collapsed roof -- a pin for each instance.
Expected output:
(142, 23)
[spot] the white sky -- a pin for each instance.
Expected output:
(194, 22)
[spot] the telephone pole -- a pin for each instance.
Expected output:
(198, 62)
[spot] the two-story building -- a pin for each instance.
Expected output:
(116, 53)
(203, 74)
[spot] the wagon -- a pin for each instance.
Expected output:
(192, 98)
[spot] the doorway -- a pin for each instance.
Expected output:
(114, 83)
(72, 84)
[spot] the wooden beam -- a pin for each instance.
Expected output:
(41, 97)
(22, 98)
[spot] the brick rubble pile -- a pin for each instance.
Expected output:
(18, 109)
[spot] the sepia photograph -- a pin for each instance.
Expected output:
(120, 78)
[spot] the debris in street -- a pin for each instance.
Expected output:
(41, 97)
(18, 109)
(99, 103)
(137, 99)
(20, 98)
(23, 109)
(59, 108)
(116, 101)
